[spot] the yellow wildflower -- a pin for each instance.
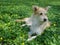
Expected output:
(1, 38)
(23, 43)
(54, 24)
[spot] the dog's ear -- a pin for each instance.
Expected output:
(47, 8)
(35, 8)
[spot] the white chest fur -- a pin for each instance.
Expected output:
(36, 27)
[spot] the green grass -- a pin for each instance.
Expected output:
(11, 33)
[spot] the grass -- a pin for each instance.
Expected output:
(11, 33)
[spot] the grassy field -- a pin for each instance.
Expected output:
(11, 33)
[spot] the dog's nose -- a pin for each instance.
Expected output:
(45, 20)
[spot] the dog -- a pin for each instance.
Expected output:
(38, 22)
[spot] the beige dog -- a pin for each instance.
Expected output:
(38, 22)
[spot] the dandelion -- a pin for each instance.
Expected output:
(1, 38)
(22, 43)
(54, 24)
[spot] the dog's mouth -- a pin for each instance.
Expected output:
(41, 22)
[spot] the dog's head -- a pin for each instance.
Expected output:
(40, 13)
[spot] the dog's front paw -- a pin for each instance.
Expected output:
(31, 38)
(23, 25)
(48, 24)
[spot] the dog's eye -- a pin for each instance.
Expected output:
(41, 13)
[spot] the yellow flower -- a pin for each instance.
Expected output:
(54, 24)
(1, 38)
(23, 43)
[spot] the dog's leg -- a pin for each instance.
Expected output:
(27, 20)
(31, 36)
(45, 25)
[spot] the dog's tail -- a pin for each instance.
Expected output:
(31, 38)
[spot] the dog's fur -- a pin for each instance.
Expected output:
(38, 22)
